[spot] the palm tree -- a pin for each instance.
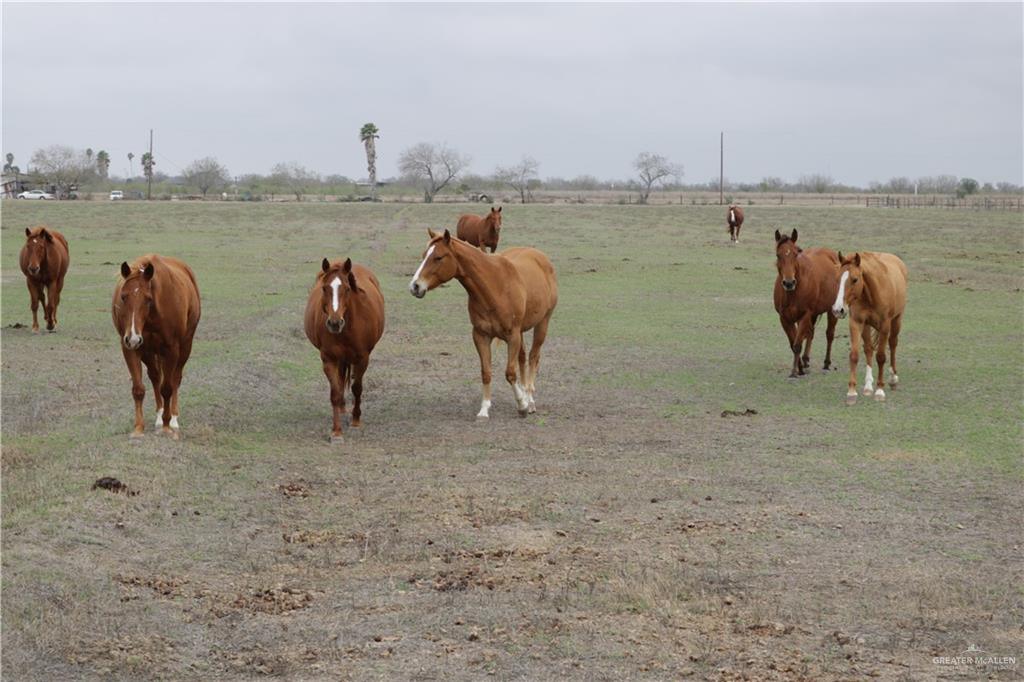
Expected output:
(102, 163)
(367, 134)
(131, 171)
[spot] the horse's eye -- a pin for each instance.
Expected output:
(438, 257)
(854, 280)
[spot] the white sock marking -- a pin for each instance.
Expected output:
(160, 417)
(485, 408)
(869, 380)
(837, 307)
(174, 421)
(335, 285)
(521, 395)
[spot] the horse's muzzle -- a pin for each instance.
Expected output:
(335, 326)
(33, 270)
(132, 342)
(839, 312)
(416, 290)
(789, 284)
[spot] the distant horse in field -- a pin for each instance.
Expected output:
(873, 291)
(345, 320)
(509, 294)
(734, 218)
(156, 310)
(44, 259)
(804, 289)
(483, 232)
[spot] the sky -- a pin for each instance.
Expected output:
(859, 92)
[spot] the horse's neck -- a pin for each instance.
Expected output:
(872, 280)
(478, 273)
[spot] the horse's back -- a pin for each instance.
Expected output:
(896, 280)
(181, 291)
(468, 228)
(538, 276)
(367, 281)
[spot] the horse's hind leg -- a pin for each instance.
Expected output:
(540, 332)
(357, 369)
(830, 333)
(515, 342)
(869, 353)
(344, 376)
(883, 339)
(152, 363)
(855, 338)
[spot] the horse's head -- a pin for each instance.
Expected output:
(439, 264)
(851, 284)
(786, 252)
(494, 224)
(37, 241)
(338, 287)
(133, 304)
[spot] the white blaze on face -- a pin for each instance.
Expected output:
(732, 216)
(416, 276)
(837, 307)
(335, 285)
(134, 338)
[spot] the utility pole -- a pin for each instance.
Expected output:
(149, 184)
(721, 168)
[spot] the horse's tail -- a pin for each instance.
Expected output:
(346, 375)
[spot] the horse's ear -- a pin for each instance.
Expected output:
(447, 237)
(125, 270)
(778, 236)
(433, 235)
(840, 254)
(28, 232)
(347, 266)
(148, 272)
(856, 260)
(793, 236)
(352, 281)
(499, 209)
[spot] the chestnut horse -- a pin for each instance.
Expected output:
(873, 291)
(509, 294)
(483, 232)
(156, 310)
(44, 259)
(345, 320)
(734, 218)
(804, 289)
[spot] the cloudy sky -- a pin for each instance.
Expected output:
(858, 91)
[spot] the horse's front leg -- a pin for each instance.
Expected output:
(333, 374)
(134, 361)
(790, 330)
(851, 386)
(358, 369)
(35, 292)
(515, 342)
(483, 348)
(869, 353)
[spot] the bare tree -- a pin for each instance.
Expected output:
(62, 166)
(521, 177)
(206, 174)
(432, 165)
(817, 182)
(298, 179)
(654, 169)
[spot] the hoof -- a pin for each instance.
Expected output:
(532, 409)
(523, 411)
(867, 391)
(851, 399)
(173, 434)
(337, 440)
(136, 436)
(879, 396)
(356, 424)
(483, 418)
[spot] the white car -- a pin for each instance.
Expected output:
(35, 194)
(116, 195)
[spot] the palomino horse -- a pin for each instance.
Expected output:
(156, 310)
(344, 320)
(509, 293)
(804, 289)
(734, 218)
(873, 291)
(483, 232)
(44, 260)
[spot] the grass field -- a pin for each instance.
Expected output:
(628, 530)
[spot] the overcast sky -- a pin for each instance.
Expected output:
(860, 92)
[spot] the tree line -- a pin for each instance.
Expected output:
(436, 168)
